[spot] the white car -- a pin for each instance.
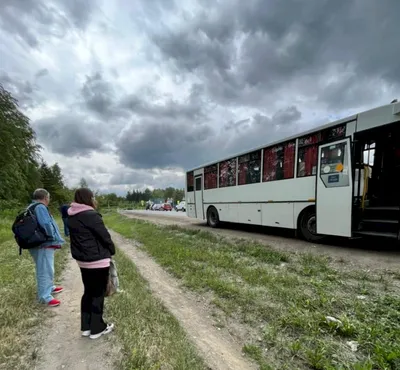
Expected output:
(181, 207)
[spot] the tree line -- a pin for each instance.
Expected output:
(22, 169)
(156, 194)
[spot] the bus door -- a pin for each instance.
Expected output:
(334, 193)
(198, 196)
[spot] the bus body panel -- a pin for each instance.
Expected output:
(290, 190)
(190, 205)
(278, 215)
(249, 213)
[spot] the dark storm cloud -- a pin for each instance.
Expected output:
(284, 40)
(193, 108)
(259, 130)
(99, 96)
(162, 144)
(70, 135)
(32, 20)
(168, 143)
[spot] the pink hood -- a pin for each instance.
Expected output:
(78, 208)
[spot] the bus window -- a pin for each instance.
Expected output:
(227, 173)
(198, 183)
(210, 177)
(249, 168)
(332, 158)
(307, 161)
(190, 181)
(279, 162)
(308, 154)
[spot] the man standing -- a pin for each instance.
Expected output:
(43, 255)
(64, 216)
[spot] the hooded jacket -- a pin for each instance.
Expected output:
(90, 240)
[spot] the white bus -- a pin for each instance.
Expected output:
(340, 179)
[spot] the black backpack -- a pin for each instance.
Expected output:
(27, 231)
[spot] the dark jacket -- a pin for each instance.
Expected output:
(90, 240)
(64, 210)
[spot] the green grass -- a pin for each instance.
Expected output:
(283, 299)
(150, 336)
(19, 314)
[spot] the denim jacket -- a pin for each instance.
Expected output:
(49, 225)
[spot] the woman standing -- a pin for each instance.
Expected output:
(92, 248)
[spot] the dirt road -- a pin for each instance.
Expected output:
(218, 349)
(367, 255)
(62, 346)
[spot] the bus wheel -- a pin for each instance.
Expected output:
(308, 226)
(212, 217)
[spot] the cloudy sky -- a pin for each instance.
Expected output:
(131, 93)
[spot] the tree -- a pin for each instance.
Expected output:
(147, 194)
(19, 173)
(53, 182)
(179, 194)
(169, 192)
(83, 183)
(157, 194)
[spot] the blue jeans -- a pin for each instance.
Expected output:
(44, 262)
(66, 228)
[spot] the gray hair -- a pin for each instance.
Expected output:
(40, 194)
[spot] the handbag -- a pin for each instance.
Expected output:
(112, 283)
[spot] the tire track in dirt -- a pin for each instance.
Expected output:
(219, 351)
(62, 346)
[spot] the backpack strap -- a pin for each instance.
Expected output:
(31, 207)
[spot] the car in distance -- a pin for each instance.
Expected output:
(181, 207)
(166, 207)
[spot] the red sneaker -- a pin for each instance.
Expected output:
(57, 290)
(54, 303)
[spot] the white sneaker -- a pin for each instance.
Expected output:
(86, 333)
(107, 330)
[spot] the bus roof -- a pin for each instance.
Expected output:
(315, 129)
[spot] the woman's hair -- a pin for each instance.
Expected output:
(85, 196)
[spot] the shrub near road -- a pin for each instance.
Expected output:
(301, 310)
(19, 314)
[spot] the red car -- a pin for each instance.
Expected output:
(166, 207)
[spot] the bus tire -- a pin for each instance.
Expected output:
(308, 225)
(212, 217)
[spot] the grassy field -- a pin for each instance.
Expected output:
(301, 310)
(150, 336)
(19, 314)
